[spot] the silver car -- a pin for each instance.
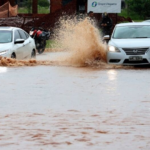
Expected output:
(129, 44)
(16, 43)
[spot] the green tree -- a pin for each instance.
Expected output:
(141, 7)
(28, 4)
(43, 3)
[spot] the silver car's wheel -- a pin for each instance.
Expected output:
(13, 56)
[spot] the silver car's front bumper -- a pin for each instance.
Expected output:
(121, 58)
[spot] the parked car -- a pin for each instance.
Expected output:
(16, 43)
(129, 44)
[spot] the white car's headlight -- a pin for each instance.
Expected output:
(113, 49)
(3, 52)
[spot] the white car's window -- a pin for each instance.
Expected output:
(17, 35)
(5, 36)
(22, 34)
(138, 31)
(27, 35)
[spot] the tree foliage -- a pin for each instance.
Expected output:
(141, 7)
(43, 3)
(28, 5)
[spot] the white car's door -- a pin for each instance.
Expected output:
(27, 50)
(18, 48)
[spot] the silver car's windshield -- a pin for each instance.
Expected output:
(127, 32)
(5, 36)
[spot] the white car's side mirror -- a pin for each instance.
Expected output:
(106, 37)
(19, 41)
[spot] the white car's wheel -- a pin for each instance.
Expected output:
(33, 54)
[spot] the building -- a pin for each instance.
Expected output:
(2, 2)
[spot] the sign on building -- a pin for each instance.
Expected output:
(101, 6)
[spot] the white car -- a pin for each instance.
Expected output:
(16, 43)
(129, 44)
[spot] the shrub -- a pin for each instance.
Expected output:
(43, 3)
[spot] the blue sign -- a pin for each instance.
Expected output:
(94, 4)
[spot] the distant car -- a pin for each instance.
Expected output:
(129, 44)
(16, 43)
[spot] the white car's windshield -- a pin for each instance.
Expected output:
(5, 36)
(126, 32)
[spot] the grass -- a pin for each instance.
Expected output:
(22, 10)
(52, 44)
(138, 20)
(41, 10)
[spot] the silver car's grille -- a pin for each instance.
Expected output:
(135, 51)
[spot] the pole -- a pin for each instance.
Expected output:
(34, 6)
(116, 18)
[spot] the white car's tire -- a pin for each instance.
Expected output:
(33, 54)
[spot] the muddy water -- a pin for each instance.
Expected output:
(82, 39)
(51, 107)
(56, 106)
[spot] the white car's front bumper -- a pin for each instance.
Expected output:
(7, 54)
(122, 58)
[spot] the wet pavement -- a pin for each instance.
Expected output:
(69, 108)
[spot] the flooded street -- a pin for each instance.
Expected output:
(69, 108)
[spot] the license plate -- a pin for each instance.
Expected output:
(135, 58)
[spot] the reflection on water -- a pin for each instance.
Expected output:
(112, 75)
(3, 69)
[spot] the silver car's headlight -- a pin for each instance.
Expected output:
(113, 49)
(3, 52)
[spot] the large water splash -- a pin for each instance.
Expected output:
(81, 39)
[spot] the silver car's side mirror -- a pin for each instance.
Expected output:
(19, 41)
(106, 38)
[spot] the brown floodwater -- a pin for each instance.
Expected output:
(60, 107)
(66, 100)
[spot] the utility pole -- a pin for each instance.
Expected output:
(34, 6)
